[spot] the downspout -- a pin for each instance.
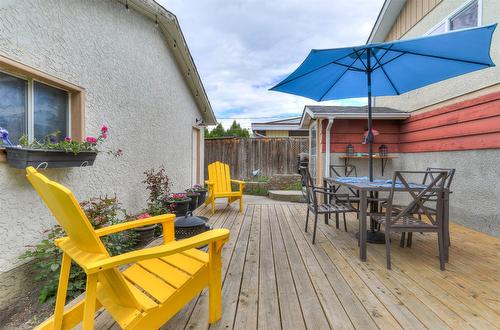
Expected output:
(327, 149)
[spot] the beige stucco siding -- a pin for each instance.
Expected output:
(449, 89)
(132, 84)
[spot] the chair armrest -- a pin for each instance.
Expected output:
(238, 181)
(170, 248)
(210, 183)
(164, 218)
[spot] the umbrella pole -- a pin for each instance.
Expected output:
(370, 134)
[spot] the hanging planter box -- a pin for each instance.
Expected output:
(24, 157)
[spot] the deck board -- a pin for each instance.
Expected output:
(274, 277)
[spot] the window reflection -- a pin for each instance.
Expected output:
(466, 18)
(50, 111)
(13, 105)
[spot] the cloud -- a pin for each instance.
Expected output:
(243, 47)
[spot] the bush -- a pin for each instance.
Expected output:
(101, 212)
(158, 184)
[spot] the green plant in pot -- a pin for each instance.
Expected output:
(198, 188)
(158, 185)
(178, 203)
(193, 204)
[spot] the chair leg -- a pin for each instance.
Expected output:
(315, 225)
(337, 220)
(345, 222)
(90, 301)
(388, 248)
(307, 219)
(241, 203)
(61, 291)
(410, 238)
(402, 242)
(213, 206)
(214, 285)
(441, 250)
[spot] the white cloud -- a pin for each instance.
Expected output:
(243, 47)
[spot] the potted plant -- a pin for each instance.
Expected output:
(146, 233)
(178, 203)
(193, 204)
(53, 151)
(202, 191)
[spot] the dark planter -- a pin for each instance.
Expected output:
(180, 208)
(24, 157)
(146, 234)
(202, 197)
(193, 204)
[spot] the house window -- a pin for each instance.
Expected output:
(466, 16)
(30, 107)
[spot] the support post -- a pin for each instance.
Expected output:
(370, 133)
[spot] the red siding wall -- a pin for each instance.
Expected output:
(350, 131)
(468, 125)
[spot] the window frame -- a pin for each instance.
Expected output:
(30, 102)
(76, 97)
(447, 19)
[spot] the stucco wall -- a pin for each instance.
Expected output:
(132, 84)
(475, 199)
(454, 87)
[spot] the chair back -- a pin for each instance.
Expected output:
(419, 199)
(450, 172)
(219, 174)
(344, 171)
(311, 197)
(83, 240)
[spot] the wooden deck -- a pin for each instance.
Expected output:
(275, 278)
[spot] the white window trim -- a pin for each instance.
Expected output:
(446, 20)
(30, 115)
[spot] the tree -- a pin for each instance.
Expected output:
(234, 130)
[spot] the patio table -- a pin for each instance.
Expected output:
(364, 185)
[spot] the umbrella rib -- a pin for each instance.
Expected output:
(387, 76)
(340, 77)
(316, 69)
(434, 56)
(392, 59)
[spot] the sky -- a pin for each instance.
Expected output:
(243, 47)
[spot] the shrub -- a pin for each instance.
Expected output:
(101, 212)
(158, 184)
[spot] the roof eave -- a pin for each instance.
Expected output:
(385, 19)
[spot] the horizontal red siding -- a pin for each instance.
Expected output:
(468, 125)
(350, 131)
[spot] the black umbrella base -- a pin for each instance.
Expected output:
(374, 237)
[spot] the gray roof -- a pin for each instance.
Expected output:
(348, 112)
(349, 109)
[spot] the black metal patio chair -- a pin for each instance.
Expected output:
(406, 219)
(333, 206)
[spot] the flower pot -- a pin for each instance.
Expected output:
(179, 207)
(193, 204)
(146, 234)
(202, 197)
(23, 157)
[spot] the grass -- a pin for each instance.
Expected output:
(294, 186)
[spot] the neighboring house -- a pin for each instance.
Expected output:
(74, 65)
(280, 128)
(451, 124)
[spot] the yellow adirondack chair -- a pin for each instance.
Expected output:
(160, 281)
(219, 185)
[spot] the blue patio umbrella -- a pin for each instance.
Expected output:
(390, 68)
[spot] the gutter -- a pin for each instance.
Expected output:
(328, 147)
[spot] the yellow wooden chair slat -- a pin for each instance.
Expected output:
(219, 185)
(159, 282)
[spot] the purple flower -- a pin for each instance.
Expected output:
(4, 136)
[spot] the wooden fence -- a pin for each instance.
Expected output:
(245, 155)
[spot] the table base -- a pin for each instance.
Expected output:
(374, 237)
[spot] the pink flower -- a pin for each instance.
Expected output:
(104, 129)
(91, 140)
(143, 216)
(67, 139)
(104, 135)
